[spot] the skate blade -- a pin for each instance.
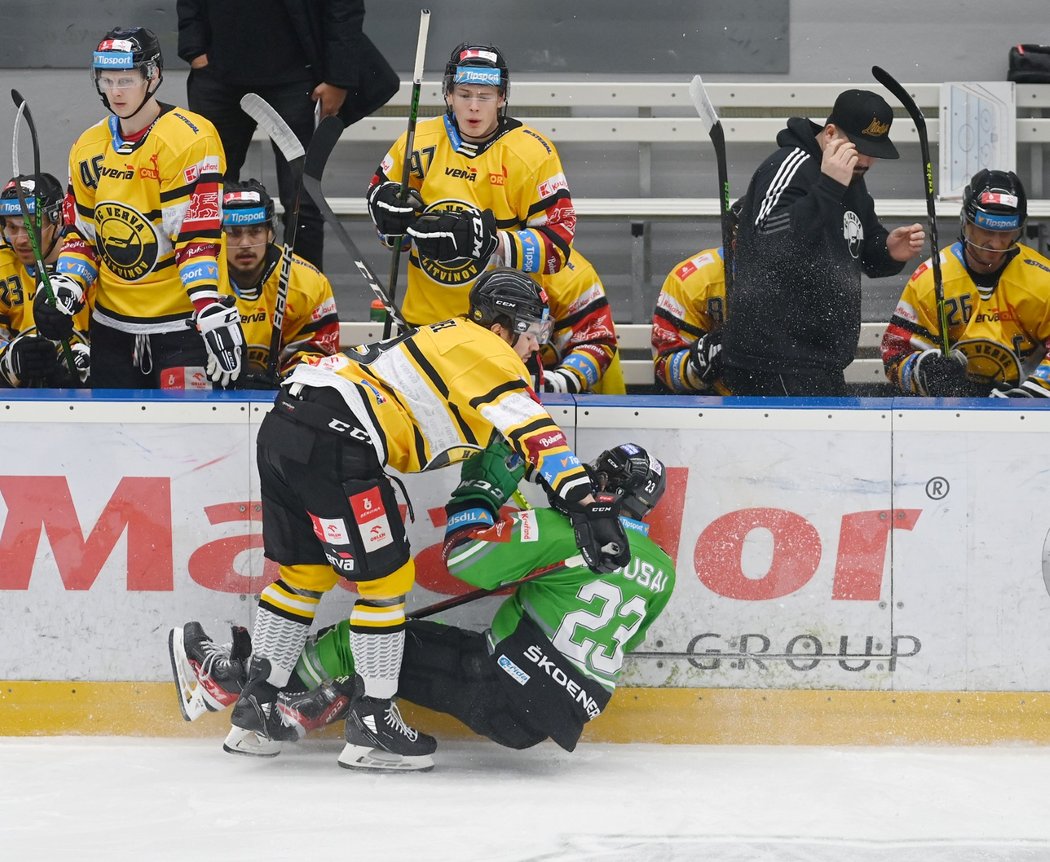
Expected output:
(376, 760)
(192, 703)
(248, 742)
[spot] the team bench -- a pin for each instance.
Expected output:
(636, 354)
(645, 114)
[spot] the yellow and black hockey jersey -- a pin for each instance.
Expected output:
(1003, 330)
(17, 291)
(144, 220)
(311, 322)
(692, 302)
(517, 174)
(433, 396)
(584, 337)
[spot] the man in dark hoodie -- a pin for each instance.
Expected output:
(807, 230)
(301, 56)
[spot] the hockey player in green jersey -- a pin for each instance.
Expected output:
(549, 662)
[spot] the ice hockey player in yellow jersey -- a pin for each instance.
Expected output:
(491, 191)
(997, 303)
(426, 399)
(26, 357)
(144, 225)
(310, 322)
(582, 355)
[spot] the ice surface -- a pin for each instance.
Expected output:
(136, 799)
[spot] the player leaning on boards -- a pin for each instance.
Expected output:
(26, 357)
(807, 230)
(144, 222)
(492, 192)
(552, 656)
(688, 318)
(423, 400)
(997, 299)
(310, 321)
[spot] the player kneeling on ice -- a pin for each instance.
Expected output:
(423, 400)
(530, 676)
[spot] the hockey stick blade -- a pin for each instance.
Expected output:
(704, 109)
(323, 142)
(904, 97)
(256, 107)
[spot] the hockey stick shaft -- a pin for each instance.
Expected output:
(410, 138)
(904, 97)
(34, 223)
(292, 149)
(706, 110)
(325, 136)
(474, 595)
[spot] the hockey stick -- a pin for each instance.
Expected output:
(34, 224)
(707, 113)
(321, 145)
(413, 113)
(902, 95)
(473, 595)
(292, 149)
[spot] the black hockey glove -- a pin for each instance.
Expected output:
(56, 321)
(599, 534)
(705, 361)
(939, 376)
(219, 324)
(30, 358)
(389, 213)
(444, 236)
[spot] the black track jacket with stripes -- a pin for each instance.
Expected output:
(802, 243)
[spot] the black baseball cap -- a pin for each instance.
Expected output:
(865, 118)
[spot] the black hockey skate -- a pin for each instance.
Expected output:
(208, 676)
(312, 710)
(378, 739)
(256, 728)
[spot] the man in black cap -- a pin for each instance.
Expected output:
(807, 230)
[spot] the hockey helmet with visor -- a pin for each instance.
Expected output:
(636, 476)
(513, 300)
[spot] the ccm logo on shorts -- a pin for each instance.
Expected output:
(371, 518)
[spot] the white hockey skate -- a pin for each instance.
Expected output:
(208, 677)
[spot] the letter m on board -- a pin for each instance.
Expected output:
(139, 507)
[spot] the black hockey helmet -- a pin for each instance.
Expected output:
(124, 49)
(638, 477)
(483, 65)
(45, 188)
(512, 299)
(247, 203)
(995, 200)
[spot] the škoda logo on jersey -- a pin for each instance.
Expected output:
(462, 270)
